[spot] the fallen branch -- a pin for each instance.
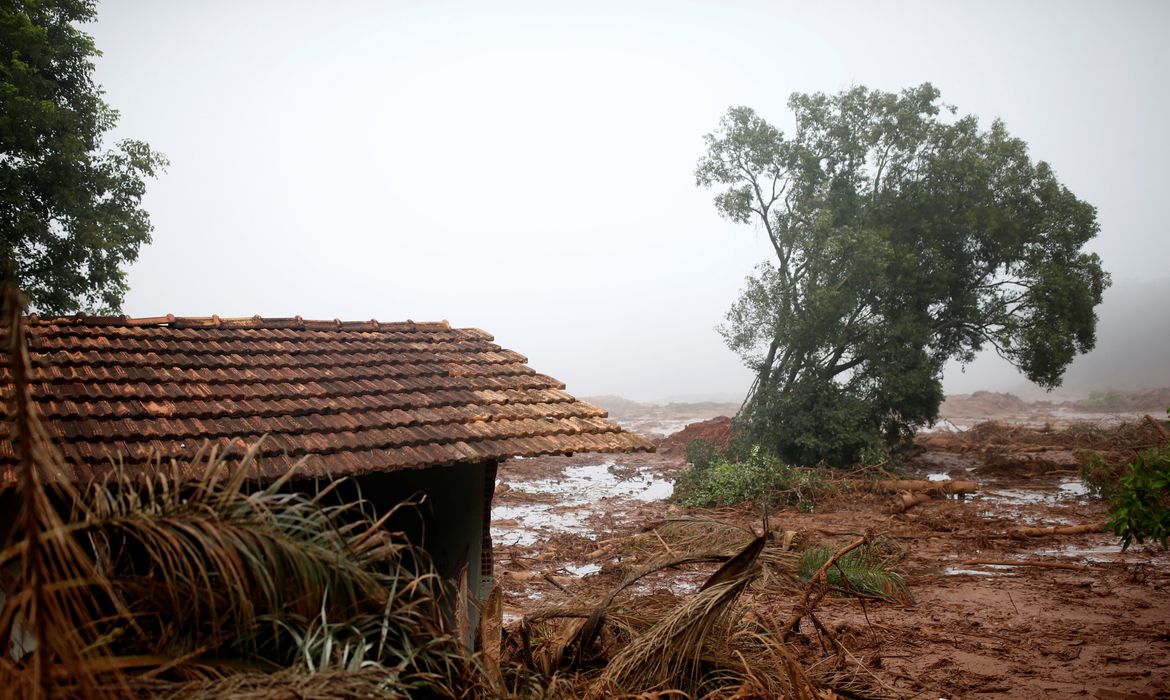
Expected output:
(606, 549)
(816, 588)
(1020, 533)
(1033, 564)
(905, 501)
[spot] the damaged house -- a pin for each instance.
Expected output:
(404, 410)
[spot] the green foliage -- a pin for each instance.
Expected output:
(1140, 505)
(70, 209)
(1098, 475)
(760, 477)
(702, 453)
(903, 238)
(811, 422)
(867, 569)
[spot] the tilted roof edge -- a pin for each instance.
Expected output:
(256, 322)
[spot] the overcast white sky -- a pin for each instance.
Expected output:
(526, 168)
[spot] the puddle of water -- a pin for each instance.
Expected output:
(577, 490)
(1095, 553)
(583, 570)
(582, 485)
(1069, 490)
(534, 520)
(991, 570)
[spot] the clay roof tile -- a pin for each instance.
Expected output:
(353, 395)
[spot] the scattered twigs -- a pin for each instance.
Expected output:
(817, 587)
(1158, 426)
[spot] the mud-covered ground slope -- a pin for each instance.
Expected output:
(995, 613)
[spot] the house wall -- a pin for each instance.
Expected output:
(451, 520)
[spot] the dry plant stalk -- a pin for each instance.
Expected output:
(58, 587)
(668, 655)
(817, 587)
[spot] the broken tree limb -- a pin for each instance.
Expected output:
(905, 501)
(1020, 533)
(912, 492)
(607, 547)
(816, 588)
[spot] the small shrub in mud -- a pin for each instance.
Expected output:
(701, 453)
(760, 476)
(1140, 505)
(1097, 473)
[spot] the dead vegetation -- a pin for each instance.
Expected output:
(669, 627)
(994, 441)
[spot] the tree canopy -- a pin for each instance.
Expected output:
(70, 210)
(904, 236)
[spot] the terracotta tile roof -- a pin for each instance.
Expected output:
(356, 396)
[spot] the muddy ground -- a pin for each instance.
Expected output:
(993, 616)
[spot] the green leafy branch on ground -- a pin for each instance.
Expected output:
(1140, 504)
(867, 569)
(719, 481)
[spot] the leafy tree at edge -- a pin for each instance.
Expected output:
(903, 236)
(70, 210)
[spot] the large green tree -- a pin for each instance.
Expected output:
(70, 209)
(904, 236)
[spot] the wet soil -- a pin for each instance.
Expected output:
(992, 617)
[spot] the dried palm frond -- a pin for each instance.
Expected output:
(270, 576)
(361, 684)
(669, 654)
(708, 534)
(48, 642)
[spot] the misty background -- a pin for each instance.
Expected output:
(526, 168)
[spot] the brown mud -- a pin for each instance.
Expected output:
(993, 616)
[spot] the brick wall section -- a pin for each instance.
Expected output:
(487, 558)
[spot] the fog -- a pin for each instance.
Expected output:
(526, 168)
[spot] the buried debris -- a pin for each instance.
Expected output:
(1020, 533)
(938, 488)
(638, 638)
(913, 492)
